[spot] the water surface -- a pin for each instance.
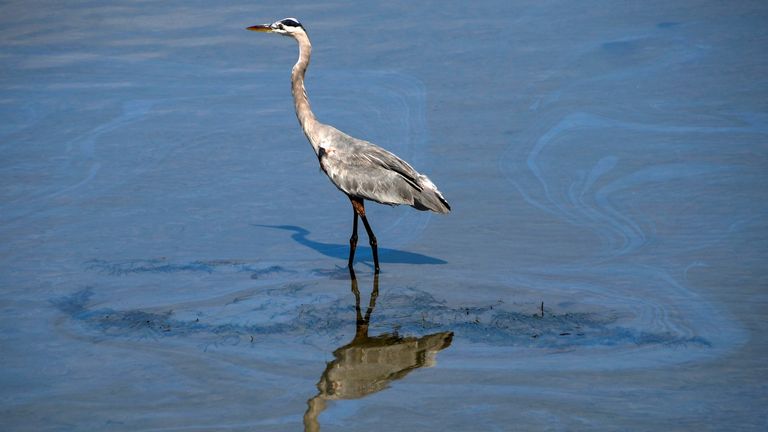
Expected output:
(173, 258)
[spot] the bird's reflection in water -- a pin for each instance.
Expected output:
(369, 363)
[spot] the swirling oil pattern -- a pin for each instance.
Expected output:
(623, 202)
(174, 259)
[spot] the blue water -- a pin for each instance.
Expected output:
(174, 259)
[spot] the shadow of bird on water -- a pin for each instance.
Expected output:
(341, 251)
(368, 364)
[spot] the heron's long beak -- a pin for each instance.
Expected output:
(260, 28)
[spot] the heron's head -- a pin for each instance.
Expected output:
(285, 27)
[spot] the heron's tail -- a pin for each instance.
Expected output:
(429, 198)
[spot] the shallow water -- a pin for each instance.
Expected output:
(173, 258)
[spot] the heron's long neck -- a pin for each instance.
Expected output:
(300, 100)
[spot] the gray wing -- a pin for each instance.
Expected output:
(365, 170)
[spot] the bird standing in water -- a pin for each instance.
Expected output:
(360, 169)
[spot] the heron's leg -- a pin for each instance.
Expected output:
(353, 240)
(359, 205)
(356, 292)
(374, 296)
(374, 244)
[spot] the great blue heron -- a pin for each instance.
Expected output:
(360, 169)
